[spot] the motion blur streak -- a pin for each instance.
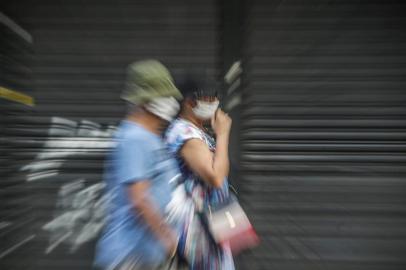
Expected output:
(316, 90)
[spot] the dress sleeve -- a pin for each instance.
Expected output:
(179, 133)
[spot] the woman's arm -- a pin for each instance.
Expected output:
(212, 168)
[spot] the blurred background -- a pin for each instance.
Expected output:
(316, 89)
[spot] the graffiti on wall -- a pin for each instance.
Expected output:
(78, 214)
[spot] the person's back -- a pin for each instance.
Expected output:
(139, 155)
(138, 174)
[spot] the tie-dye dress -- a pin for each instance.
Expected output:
(203, 197)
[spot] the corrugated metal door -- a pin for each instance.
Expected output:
(81, 50)
(324, 134)
(15, 102)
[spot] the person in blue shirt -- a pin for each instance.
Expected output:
(138, 174)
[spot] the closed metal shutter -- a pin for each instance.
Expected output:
(82, 49)
(324, 134)
(15, 101)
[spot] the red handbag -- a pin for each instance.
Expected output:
(228, 224)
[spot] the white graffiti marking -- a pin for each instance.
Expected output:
(79, 211)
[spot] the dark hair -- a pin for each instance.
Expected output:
(192, 86)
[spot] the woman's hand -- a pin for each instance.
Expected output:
(221, 123)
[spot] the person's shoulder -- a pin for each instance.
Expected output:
(182, 130)
(128, 130)
(175, 125)
(182, 126)
(133, 133)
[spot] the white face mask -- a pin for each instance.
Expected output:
(164, 107)
(205, 110)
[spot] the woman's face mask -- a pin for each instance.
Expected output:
(205, 109)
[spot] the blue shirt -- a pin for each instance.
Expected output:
(138, 156)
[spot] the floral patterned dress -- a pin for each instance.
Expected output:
(203, 197)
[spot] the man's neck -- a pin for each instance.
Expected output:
(147, 120)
